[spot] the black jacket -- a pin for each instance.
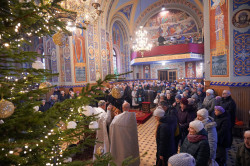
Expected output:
(199, 150)
(229, 105)
(165, 137)
(223, 130)
(45, 107)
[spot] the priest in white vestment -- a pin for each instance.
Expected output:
(124, 137)
(102, 146)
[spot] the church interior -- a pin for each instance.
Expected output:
(148, 49)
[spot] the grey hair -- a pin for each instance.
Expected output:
(101, 103)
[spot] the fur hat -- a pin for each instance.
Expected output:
(210, 91)
(159, 112)
(184, 101)
(178, 96)
(203, 112)
(182, 159)
(219, 108)
(196, 125)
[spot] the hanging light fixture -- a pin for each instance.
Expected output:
(141, 41)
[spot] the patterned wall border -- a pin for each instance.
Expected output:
(237, 3)
(70, 86)
(231, 84)
(241, 55)
(103, 53)
(91, 53)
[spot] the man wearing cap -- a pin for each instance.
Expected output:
(223, 132)
(209, 102)
(124, 137)
(165, 139)
(196, 143)
(243, 152)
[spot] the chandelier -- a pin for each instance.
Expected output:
(86, 12)
(142, 43)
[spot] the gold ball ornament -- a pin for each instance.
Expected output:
(117, 92)
(6, 109)
(58, 38)
(45, 85)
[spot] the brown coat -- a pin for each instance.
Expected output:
(242, 156)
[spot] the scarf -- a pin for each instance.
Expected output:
(196, 138)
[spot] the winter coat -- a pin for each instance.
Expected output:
(223, 130)
(199, 150)
(242, 156)
(200, 100)
(229, 105)
(210, 127)
(140, 99)
(185, 117)
(209, 103)
(165, 137)
(128, 94)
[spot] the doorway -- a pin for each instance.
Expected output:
(169, 75)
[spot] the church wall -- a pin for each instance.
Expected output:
(239, 41)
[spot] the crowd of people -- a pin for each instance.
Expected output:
(188, 118)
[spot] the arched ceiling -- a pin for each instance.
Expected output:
(130, 10)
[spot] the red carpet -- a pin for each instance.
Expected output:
(141, 117)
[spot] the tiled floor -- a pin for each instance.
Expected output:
(146, 137)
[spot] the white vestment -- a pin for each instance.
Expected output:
(124, 138)
(102, 133)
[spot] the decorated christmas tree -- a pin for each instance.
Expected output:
(28, 136)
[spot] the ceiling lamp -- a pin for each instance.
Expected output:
(142, 43)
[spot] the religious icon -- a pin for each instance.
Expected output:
(241, 19)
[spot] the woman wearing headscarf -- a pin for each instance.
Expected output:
(196, 143)
(209, 102)
(210, 127)
(165, 140)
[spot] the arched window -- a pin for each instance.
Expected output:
(115, 61)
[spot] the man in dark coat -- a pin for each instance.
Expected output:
(140, 96)
(223, 133)
(196, 143)
(201, 95)
(128, 94)
(243, 152)
(57, 92)
(44, 106)
(165, 136)
(230, 107)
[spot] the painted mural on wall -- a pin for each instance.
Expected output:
(65, 62)
(117, 36)
(241, 49)
(237, 3)
(79, 56)
(170, 23)
(199, 69)
(97, 49)
(241, 19)
(127, 10)
(104, 53)
(91, 53)
(179, 66)
(50, 61)
(190, 69)
(146, 71)
(219, 37)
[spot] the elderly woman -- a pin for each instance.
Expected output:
(181, 159)
(209, 102)
(196, 143)
(210, 127)
(164, 136)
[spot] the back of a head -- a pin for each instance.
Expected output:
(126, 106)
(101, 103)
(182, 159)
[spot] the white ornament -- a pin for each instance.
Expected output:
(1, 121)
(93, 125)
(87, 110)
(68, 160)
(71, 125)
(37, 65)
(36, 108)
